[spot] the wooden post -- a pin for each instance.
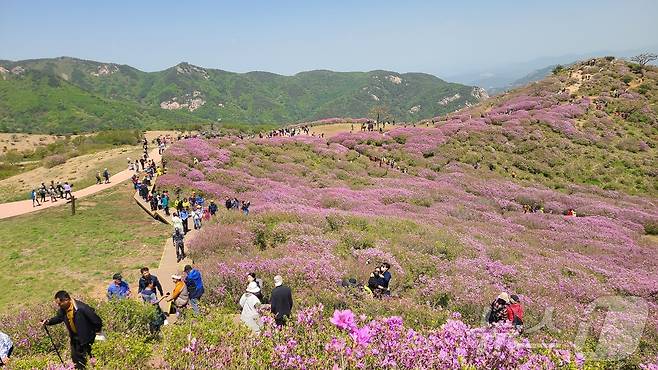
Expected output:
(72, 205)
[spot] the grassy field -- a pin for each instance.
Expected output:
(81, 171)
(51, 250)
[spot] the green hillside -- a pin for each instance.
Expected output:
(594, 122)
(254, 97)
(34, 101)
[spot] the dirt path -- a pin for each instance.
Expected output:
(334, 129)
(21, 207)
(80, 171)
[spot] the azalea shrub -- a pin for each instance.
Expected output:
(346, 340)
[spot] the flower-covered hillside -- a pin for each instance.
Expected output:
(455, 236)
(594, 123)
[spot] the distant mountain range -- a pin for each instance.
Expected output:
(62, 95)
(505, 77)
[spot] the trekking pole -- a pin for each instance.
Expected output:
(53, 343)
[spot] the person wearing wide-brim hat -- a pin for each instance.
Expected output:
(250, 305)
(180, 297)
(498, 311)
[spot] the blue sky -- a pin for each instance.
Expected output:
(442, 38)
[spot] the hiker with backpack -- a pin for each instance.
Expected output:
(178, 240)
(515, 313)
(82, 323)
(42, 193)
(106, 175)
(60, 190)
(197, 216)
(194, 284)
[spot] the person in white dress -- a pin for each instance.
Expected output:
(250, 304)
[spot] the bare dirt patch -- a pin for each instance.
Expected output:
(339, 128)
(80, 171)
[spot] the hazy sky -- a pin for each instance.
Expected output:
(438, 37)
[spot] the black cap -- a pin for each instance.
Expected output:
(187, 268)
(117, 276)
(515, 298)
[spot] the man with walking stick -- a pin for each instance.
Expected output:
(82, 323)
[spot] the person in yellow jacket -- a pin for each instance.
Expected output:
(180, 297)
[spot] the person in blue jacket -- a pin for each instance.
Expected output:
(118, 289)
(184, 216)
(194, 285)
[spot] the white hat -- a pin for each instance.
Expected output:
(253, 287)
(176, 277)
(504, 296)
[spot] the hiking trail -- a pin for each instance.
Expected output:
(22, 207)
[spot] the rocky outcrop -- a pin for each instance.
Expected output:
(18, 70)
(394, 79)
(186, 68)
(479, 93)
(190, 102)
(449, 99)
(105, 70)
(414, 109)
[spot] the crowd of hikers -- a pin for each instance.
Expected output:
(371, 125)
(187, 292)
(52, 192)
(84, 326)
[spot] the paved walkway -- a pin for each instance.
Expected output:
(22, 207)
(168, 265)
